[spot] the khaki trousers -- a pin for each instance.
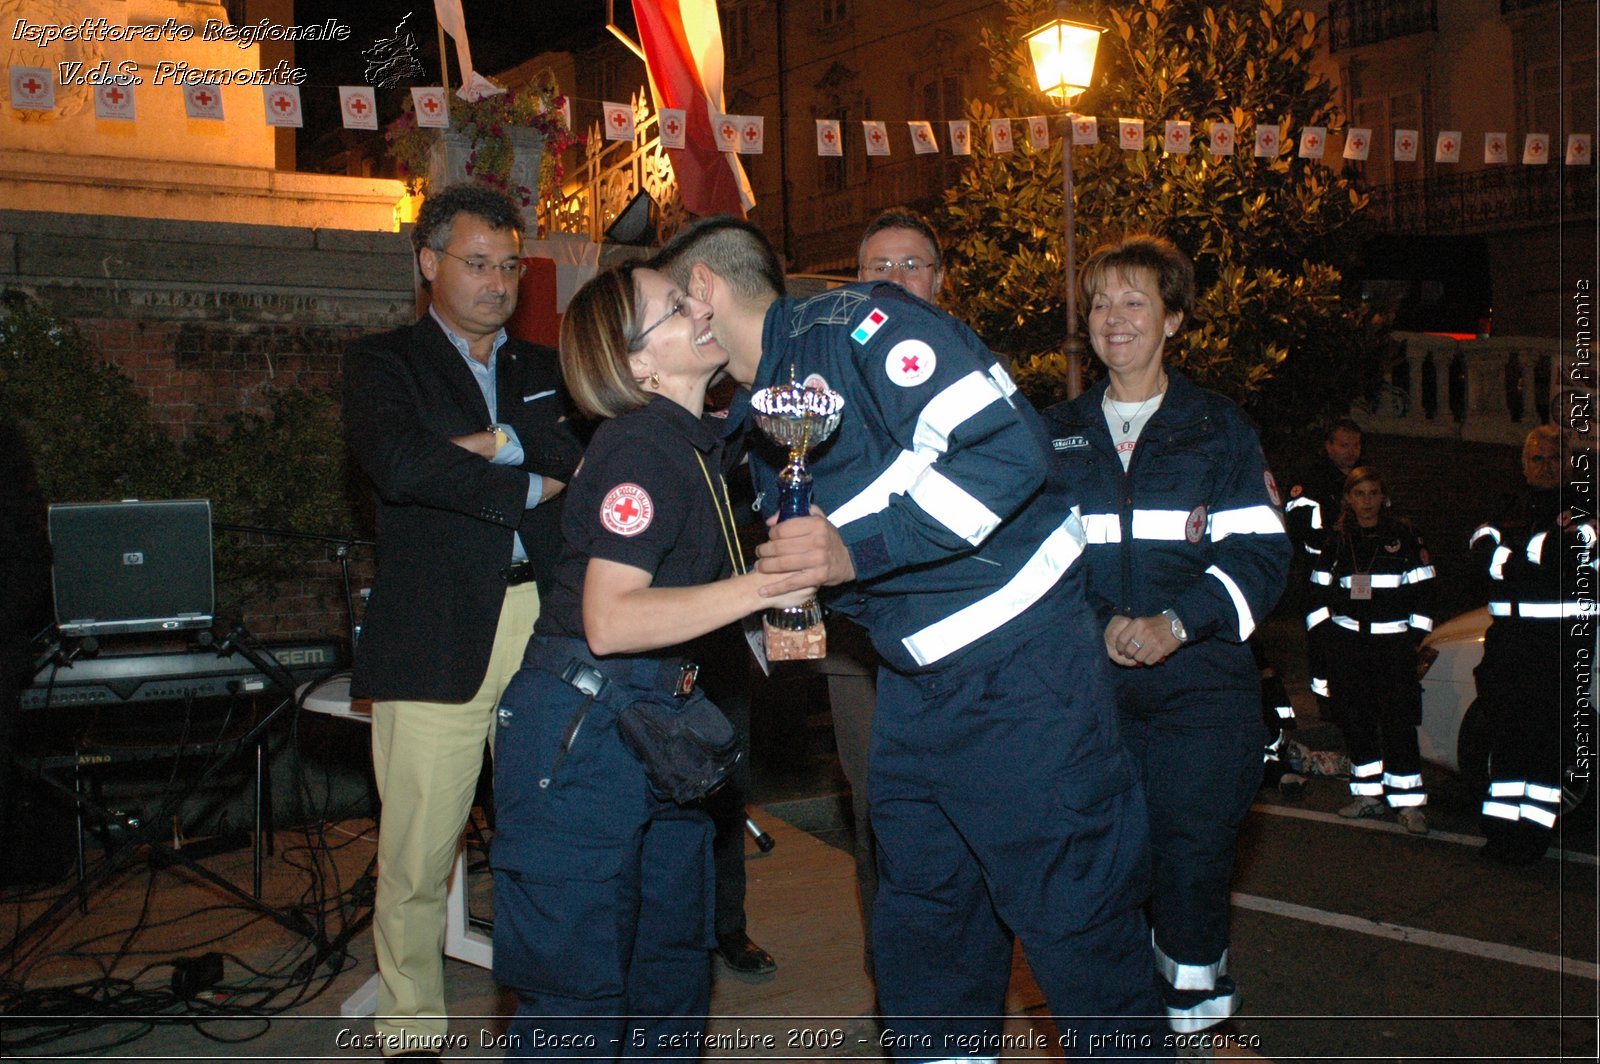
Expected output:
(426, 757)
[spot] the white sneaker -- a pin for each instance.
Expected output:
(1362, 808)
(1414, 820)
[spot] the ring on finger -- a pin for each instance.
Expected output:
(1136, 644)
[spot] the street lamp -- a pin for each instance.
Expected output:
(1063, 63)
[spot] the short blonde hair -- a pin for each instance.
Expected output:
(598, 332)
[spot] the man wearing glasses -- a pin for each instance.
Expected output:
(460, 430)
(898, 246)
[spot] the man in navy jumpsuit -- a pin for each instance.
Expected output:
(1000, 793)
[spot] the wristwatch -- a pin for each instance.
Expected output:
(1179, 632)
(500, 437)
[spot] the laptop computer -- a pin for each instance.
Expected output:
(132, 566)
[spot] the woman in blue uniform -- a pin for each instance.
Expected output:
(603, 889)
(1186, 551)
(1370, 592)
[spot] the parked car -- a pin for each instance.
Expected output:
(1453, 734)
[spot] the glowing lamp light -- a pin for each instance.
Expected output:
(1063, 57)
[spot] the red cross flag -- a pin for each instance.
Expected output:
(1536, 149)
(432, 111)
(33, 88)
(1447, 146)
(114, 103)
(922, 142)
(1358, 144)
(1267, 142)
(752, 134)
(618, 120)
(358, 106)
(1578, 149)
(726, 130)
(1085, 129)
(1494, 148)
(1313, 142)
(1130, 133)
(960, 136)
(673, 125)
(1405, 145)
(877, 135)
(829, 142)
(1000, 135)
(203, 101)
(1176, 139)
(283, 105)
(1038, 133)
(1223, 138)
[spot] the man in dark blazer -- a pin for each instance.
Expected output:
(460, 430)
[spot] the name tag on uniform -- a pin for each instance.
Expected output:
(1361, 586)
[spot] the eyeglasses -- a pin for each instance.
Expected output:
(884, 267)
(679, 306)
(480, 267)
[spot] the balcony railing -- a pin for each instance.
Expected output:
(1496, 197)
(1508, 7)
(1491, 390)
(1353, 23)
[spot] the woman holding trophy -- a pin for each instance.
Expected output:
(602, 854)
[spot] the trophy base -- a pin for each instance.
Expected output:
(805, 644)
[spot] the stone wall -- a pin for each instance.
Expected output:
(203, 317)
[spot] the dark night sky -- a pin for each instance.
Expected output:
(503, 33)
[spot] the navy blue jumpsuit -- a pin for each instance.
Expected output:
(603, 892)
(1000, 793)
(1195, 526)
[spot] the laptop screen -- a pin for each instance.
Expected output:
(132, 566)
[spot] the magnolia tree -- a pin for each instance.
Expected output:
(1277, 325)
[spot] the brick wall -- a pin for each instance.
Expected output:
(204, 317)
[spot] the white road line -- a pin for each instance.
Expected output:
(1528, 958)
(1573, 856)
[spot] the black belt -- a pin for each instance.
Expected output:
(518, 573)
(570, 660)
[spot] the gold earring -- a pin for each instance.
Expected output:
(655, 382)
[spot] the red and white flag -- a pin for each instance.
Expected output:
(1085, 129)
(1536, 149)
(1405, 145)
(1494, 148)
(1130, 133)
(358, 106)
(922, 142)
(432, 110)
(1267, 142)
(114, 102)
(1578, 145)
(283, 105)
(752, 134)
(1223, 138)
(1358, 144)
(671, 123)
(829, 142)
(203, 101)
(618, 120)
(960, 136)
(1447, 146)
(1038, 133)
(683, 55)
(1176, 139)
(1000, 135)
(726, 127)
(33, 88)
(1313, 142)
(877, 135)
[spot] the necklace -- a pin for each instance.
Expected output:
(1115, 408)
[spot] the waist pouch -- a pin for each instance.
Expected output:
(687, 746)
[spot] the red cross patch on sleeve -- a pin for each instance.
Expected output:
(627, 510)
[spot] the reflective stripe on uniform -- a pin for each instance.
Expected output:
(1319, 686)
(1241, 605)
(1317, 616)
(1189, 976)
(1540, 792)
(1323, 577)
(1375, 627)
(1502, 810)
(1497, 564)
(1168, 525)
(1304, 502)
(1540, 610)
(1507, 788)
(1102, 528)
(1422, 622)
(1484, 530)
(952, 506)
(976, 620)
(1536, 548)
(1539, 815)
(1246, 520)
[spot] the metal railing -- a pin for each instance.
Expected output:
(1496, 197)
(611, 173)
(1353, 23)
